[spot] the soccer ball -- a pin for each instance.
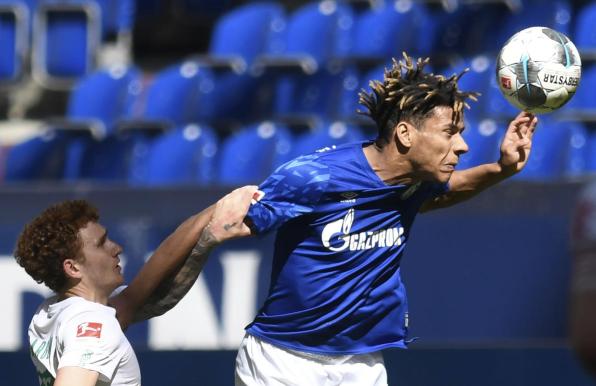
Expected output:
(538, 69)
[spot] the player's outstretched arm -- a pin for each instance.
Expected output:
(515, 150)
(173, 268)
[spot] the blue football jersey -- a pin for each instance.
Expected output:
(341, 232)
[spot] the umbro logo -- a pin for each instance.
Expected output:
(348, 197)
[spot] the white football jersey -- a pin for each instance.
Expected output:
(77, 332)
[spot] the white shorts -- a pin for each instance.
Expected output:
(263, 364)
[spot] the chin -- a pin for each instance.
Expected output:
(443, 178)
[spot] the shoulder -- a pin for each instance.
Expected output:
(318, 165)
(91, 322)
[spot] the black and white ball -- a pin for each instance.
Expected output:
(538, 69)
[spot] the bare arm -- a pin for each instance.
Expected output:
(175, 265)
(515, 150)
(68, 376)
(171, 290)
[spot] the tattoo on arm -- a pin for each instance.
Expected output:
(228, 226)
(172, 289)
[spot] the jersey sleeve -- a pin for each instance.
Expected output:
(292, 190)
(91, 341)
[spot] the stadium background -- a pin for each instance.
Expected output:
(153, 109)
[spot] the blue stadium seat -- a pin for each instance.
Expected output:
(312, 37)
(172, 96)
(145, 113)
(39, 158)
(483, 138)
(251, 154)
(102, 98)
(66, 36)
(302, 76)
(307, 96)
(471, 28)
(579, 150)
(585, 34)
(352, 83)
(590, 163)
(117, 16)
(550, 152)
(383, 32)
(82, 133)
(186, 155)
(242, 34)
(81, 144)
(584, 98)
(557, 15)
(326, 135)
(238, 38)
(14, 40)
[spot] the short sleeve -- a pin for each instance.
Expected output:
(91, 340)
(292, 190)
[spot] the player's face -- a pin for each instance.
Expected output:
(100, 267)
(438, 145)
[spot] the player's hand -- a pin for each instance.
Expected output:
(517, 143)
(227, 221)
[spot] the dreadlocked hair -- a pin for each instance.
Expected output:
(407, 93)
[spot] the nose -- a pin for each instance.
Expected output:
(117, 249)
(460, 147)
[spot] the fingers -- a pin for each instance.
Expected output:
(524, 124)
(227, 220)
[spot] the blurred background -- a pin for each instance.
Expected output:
(153, 109)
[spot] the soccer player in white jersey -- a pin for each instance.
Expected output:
(583, 281)
(343, 217)
(76, 337)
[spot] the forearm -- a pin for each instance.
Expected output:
(465, 184)
(173, 289)
(163, 264)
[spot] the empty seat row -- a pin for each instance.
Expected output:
(196, 155)
(57, 39)
(191, 154)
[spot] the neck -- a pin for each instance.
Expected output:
(390, 165)
(80, 290)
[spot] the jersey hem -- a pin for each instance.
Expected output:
(366, 350)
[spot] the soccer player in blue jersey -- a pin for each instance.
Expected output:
(343, 217)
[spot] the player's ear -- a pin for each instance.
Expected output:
(403, 134)
(71, 268)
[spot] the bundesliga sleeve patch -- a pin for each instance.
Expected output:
(89, 330)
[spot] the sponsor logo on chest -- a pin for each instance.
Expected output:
(341, 230)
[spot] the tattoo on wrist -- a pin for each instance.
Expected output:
(228, 226)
